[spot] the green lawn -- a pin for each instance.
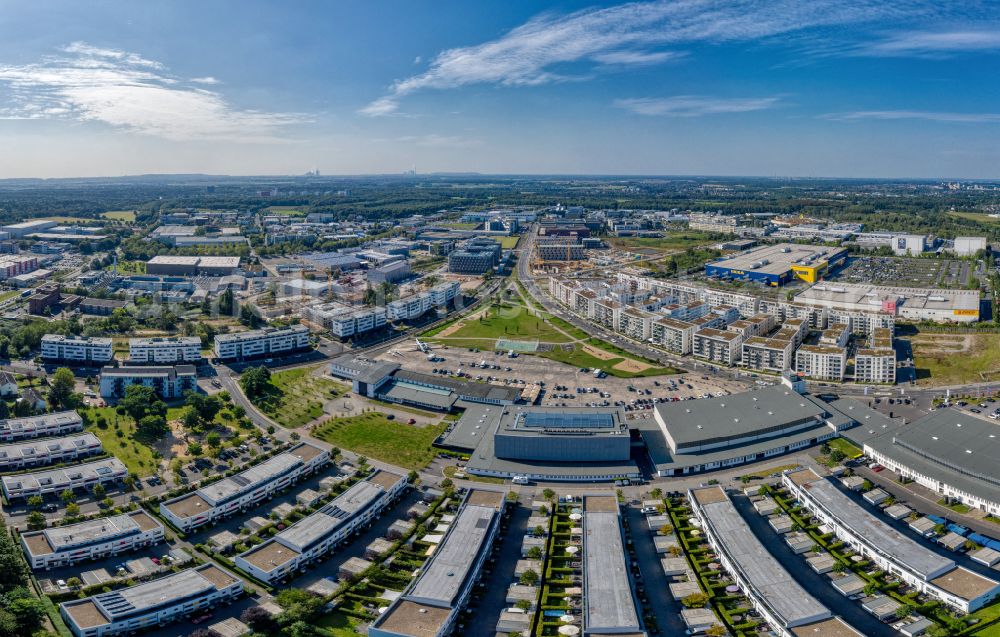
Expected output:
(845, 446)
(673, 241)
(337, 624)
(120, 215)
(136, 456)
(8, 294)
(944, 359)
(375, 436)
(577, 357)
(296, 396)
(509, 243)
(510, 321)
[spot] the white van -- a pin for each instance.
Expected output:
(520, 479)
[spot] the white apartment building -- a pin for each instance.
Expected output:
(175, 349)
(76, 349)
(767, 354)
(717, 346)
(875, 366)
(315, 535)
(673, 335)
(80, 476)
(757, 325)
(607, 312)
(54, 424)
(38, 453)
(91, 539)
(269, 340)
(166, 380)
(244, 490)
(635, 323)
(416, 305)
(346, 320)
(888, 549)
(152, 604)
(836, 335)
(821, 362)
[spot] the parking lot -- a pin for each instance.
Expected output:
(905, 272)
(560, 384)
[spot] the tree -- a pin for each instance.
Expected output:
(72, 509)
(529, 577)
(151, 428)
(548, 494)
(695, 600)
(837, 455)
(137, 401)
(36, 502)
(190, 419)
(195, 449)
(255, 381)
(61, 388)
(213, 439)
(73, 582)
(259, 620)
(98, 490)
(36, 520)
(716, 630)
(21, 614)
(67, 496)
(535, 553)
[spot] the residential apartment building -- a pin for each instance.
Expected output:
(673, 335)
(475, 256)
(167, 381)
(707, 222)
(244, 490)
(432, 603)
(757, 325)
(54, 424)
(263, 342)
(821, 362)
(151, 604)
(174, 349)
(764, 354)
(717, 346)
(875, 366)
(344, 321)
(416, 305)
(312, 537)
(91, 539)
(836, 335)
(561, 251)
(887, 548)
(76, 349)
(38, 453)
(635, 323)
(53, 481)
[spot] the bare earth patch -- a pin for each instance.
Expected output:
(632, 366)
(943, 344)
(599, 353)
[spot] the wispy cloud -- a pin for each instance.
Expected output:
(695, 105)
(538, 51)
(933, 116)
(935, 43)
(434, 140)
(127, 91)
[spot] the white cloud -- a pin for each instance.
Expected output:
(695, 105)
(638, 32)
(127, 91)
(933, 116)
(935, 43)
(418, 60)
(439, 141)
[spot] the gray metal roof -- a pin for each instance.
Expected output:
(450, 566)
(313, 528)
(66, 475)
(772, 584)
(608, 601)
(250, 479)
(40, 449)
(157, 593)
(63, 538)
(897, 546)
(21, 427)
(951, 446)
(410, 393)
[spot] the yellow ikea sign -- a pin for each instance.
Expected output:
(808, 273)
(966, 312)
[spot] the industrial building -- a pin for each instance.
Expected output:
(430, 606)
(475, 256)
(151, 604)
(191, 266)
(912, 304)
(77, 349)
(55, 424)
(610, 605)
(53, 481)
(312, 537)
(969, 246)
(20, 230)
(169, 382)
(389, 273)
(91, 539)
(245, 489)
(263, 342)
(887, 548)
(778, 264)
(173, 349)
(561, 251)
(38, 453)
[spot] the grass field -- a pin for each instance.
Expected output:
(846, 447)
(953, 359)
(673, 241)
(376, 436)
(9, 294)
(510, 321)
(129, 267)
(287, 210)
(64, 219)
(296, 397)
(127, 216)
(975, 216)
(577, 357)
(509, 243)
(137, 457)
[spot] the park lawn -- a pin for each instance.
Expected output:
(120, 215)
(136, 456)
(337, 624)
(845, 446)
(577, 357)
(940, 366)
(375, 436)
(287, 210)
(509, 243)
(296, 396)
(510, 322)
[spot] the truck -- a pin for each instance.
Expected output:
(519, 480)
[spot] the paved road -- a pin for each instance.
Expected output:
(657, 592)
(818, 585)
(493, 588)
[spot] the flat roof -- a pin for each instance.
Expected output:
(963, 583)
(780, 257)
(86, 614)
(65, 475)
(461, 387)
(772, 584)
(270, 555)
(249, 479)
(413, 619)
(267, 332)
(867, 294)
(897, 546)
(74, 536)
(833, 627)
(949, 445)
(166, 259)
(607, 588)
(42, 448)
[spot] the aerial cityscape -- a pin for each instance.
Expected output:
(642, 319)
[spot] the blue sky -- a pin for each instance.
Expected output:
(856, 88)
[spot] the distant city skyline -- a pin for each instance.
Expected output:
(850, 88)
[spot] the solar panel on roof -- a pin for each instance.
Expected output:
(555, 420)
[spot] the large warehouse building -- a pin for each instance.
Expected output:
(911, 304)
(190, 266)
(778, 264)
